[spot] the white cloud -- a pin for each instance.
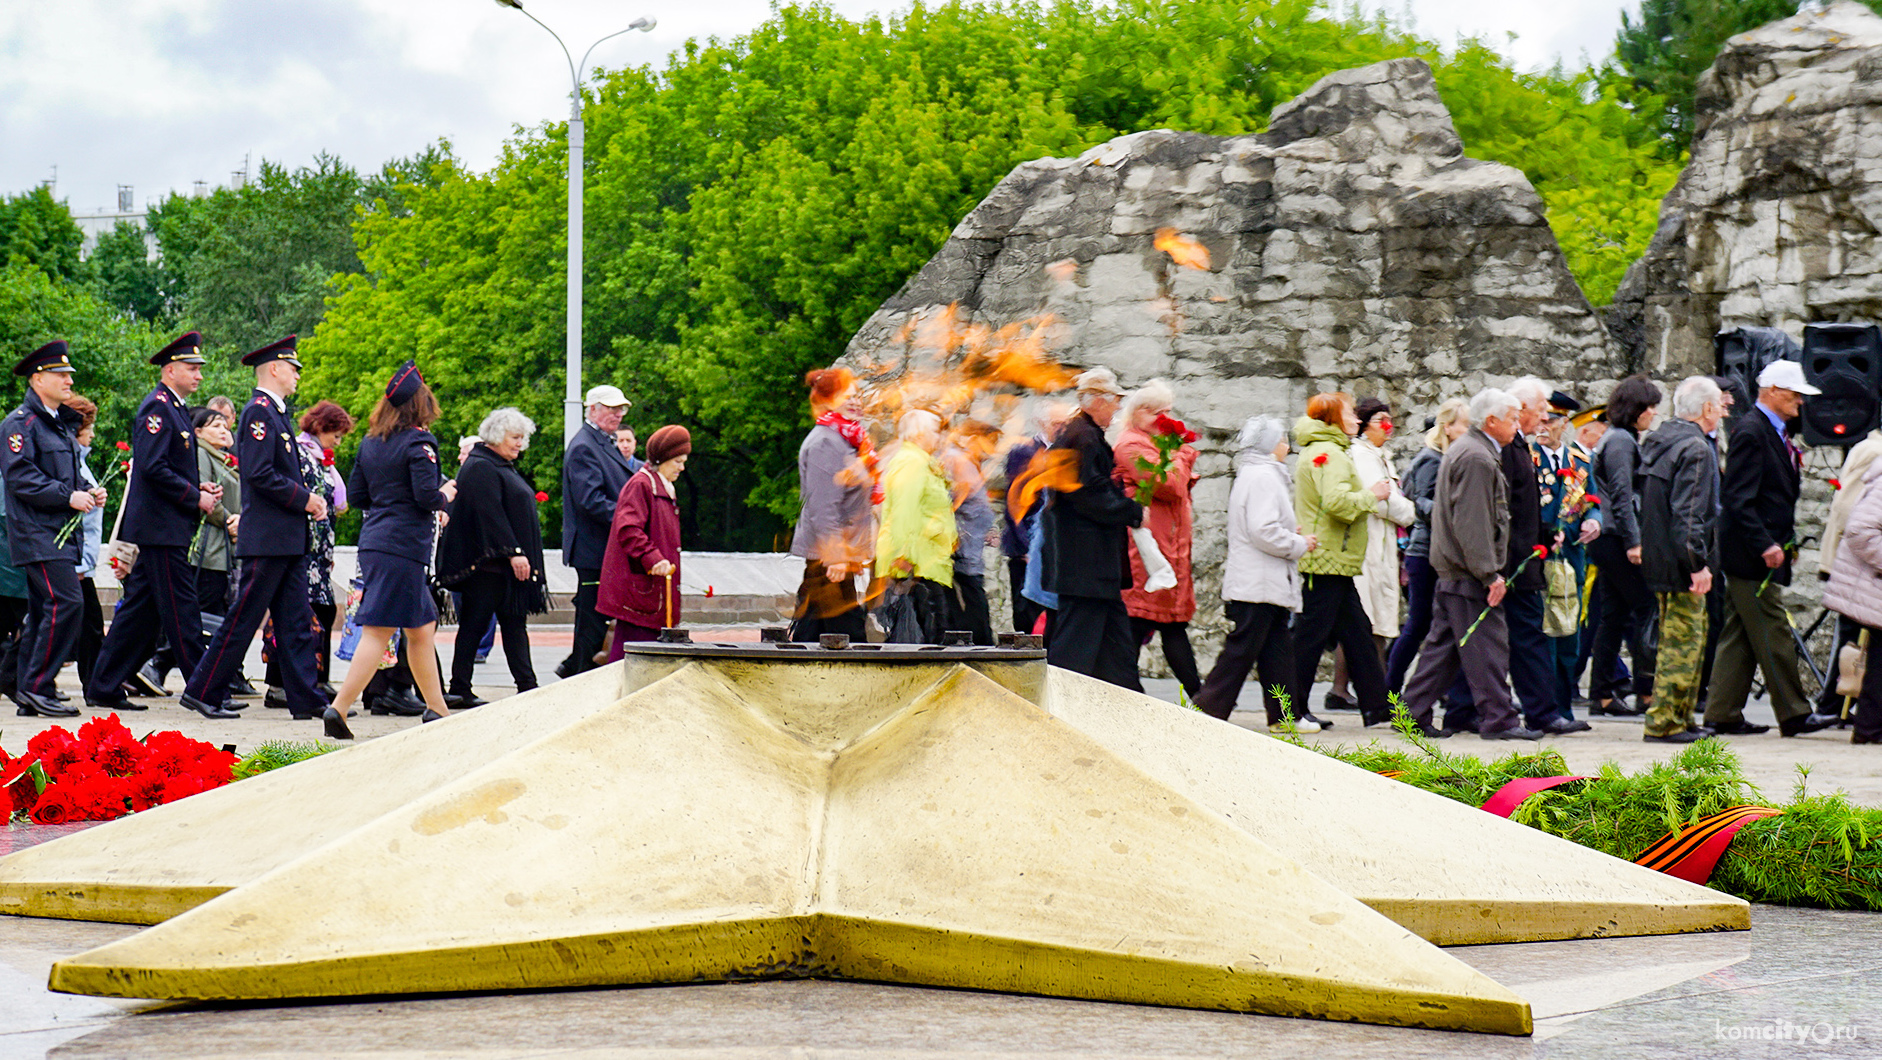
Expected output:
(160, 93)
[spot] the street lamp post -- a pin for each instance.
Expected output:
(572, 399)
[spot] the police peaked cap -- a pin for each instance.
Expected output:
(52, 357)
(187, 349)
(280, 350)
(404, 384)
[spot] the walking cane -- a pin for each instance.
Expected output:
(669, 595)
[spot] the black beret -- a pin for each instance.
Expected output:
(280, 350)
(404, 384)
(187, 349)
(52, 357)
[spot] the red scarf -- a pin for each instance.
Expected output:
(858, 438)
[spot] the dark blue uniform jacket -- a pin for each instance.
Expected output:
(395, 481)
(274, 499)
(160, 502)
(39, 449)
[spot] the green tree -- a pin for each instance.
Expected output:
(38, 230)
(1664, 48)
(751, 203)
(125, 274)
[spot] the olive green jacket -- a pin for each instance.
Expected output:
(1329, 499)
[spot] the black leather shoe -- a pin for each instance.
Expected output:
(1335, 701)
(1741, 727)
(120, 703)
(327, 690)
(275, 699)
(1683, 736)
(335, 725)
(146, 683)
(464, 702)
(1316, 721)
(1514, 732)
(1432, 732)
(31, 703)
(430, 715)
(242, 688)
(398, 702)
(61, 696)
(1618, 708)
(1566, 725)
(1807, 723)
(1369, 718)
(207, 710)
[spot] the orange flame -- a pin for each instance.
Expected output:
(1184, 250)
(1049, 469)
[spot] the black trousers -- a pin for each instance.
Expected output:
(484, 595)
(159, 605)
(1092, 636)
(1259, 641)
(91, 633)
(968, 608)
(212, 591)
(1176, 651)
(12, 619)
(825, 606)
(325, 617)
(1629, 612)
(54, 612)
(1331, 613)
(1025, 612)
(1868, 712)
(591, 626)
(271, 585)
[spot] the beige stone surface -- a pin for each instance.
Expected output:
(1449, 872)
(721, 823)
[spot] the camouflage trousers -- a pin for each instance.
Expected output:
(1681, 657)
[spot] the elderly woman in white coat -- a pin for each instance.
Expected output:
(1378, 581)
(1855, 592)
(1260, 582)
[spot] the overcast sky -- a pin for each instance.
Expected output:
(160, 93)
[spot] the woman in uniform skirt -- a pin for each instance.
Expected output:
(396, 481)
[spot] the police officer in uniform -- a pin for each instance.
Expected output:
(163, 505)
(273, 547)
(39, 450)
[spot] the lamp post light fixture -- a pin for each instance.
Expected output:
(572, 400)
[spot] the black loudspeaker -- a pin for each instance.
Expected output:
(1741, 353)
(1845, 362)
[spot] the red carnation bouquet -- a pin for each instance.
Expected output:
(1168, 434)
(102, 772)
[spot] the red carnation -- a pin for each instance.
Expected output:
(326, 458)
(146, 790)
(181, 787)
(124, 447)
(234, 463)
(1320, 461)
(1167, 424)
(1591, 498)
(541, 496)
(1541, 551)
(1836, 483)
(54, 807)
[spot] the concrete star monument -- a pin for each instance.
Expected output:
(973, 821)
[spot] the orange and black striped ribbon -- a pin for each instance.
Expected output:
(1692, 852)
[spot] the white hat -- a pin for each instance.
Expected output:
(606, 394)
(1786, 375)
(1099, 381)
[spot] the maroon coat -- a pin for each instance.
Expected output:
(646, 530)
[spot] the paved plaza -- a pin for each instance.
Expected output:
(1801, 983)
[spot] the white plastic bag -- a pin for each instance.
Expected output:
(1158, 574)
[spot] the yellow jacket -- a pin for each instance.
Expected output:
(917, 517)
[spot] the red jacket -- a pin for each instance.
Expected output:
(646, 530)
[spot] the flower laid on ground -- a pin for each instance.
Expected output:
(102, 772)
(1168, 434)
(1536, 553)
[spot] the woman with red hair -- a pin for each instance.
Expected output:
(837, 481)
(1332, 504)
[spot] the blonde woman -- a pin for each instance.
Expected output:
(1421, 485)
